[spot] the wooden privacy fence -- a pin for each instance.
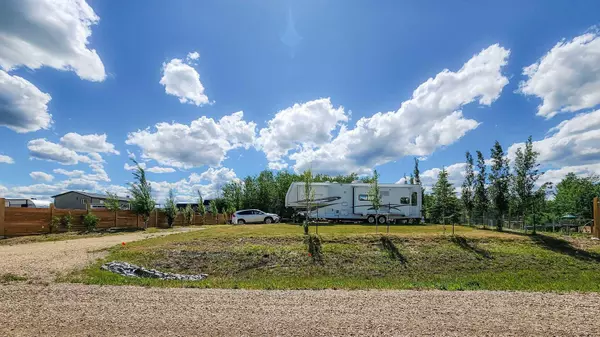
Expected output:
(19, 221)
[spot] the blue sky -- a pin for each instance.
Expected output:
(303, 73)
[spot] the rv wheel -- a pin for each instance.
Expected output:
(371, 219)
(381, 219)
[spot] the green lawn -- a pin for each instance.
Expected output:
(355, 257)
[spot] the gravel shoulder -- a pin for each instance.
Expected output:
(43, 261)
(80, 310)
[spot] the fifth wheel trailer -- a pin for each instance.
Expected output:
(335, 201)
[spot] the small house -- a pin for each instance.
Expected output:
(81, 200)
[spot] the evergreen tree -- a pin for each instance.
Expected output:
(411, 180)
(480, 199)
(170, 208)
(445, 206)
(499, 181)
(467, 187)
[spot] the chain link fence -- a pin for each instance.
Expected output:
(524, 225)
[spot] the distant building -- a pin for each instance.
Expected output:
(28, 203)
(80, 200)
(182, 205)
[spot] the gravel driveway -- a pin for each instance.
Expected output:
(79, 310)
(44, 260)
(49, 309)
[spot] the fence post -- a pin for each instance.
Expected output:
(116, 216)
(595, 229)
(2, 212)
(51, 217)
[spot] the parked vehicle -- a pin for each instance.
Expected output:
(352, 202)
(253, 216)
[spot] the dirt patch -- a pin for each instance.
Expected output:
(43, 261)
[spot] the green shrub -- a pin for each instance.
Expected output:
(314, 247)
(188, 215)
(67, 221)
(90, 221)
(54, 224)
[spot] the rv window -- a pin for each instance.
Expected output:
(364, 197)
(413, 199)
(404, 201)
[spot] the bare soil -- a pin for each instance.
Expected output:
(43, 261)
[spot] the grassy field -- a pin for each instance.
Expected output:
(355, 257)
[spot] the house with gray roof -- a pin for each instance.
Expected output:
(80, 200)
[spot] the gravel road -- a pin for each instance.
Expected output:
(50, 309)
(42, 261)
(79, 310)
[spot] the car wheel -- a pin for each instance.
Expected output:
(268, 220)
(241, 222)
(381, 219)
(371, 219)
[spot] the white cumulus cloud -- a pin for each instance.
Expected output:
(37, 33)
(46, 150)
(203, 142)
(6, 159)
(567, 78)
(573, 142)
(23, 107)
(158, 169)
(209, 183)
(87, 143)
(183, 81)
(456, 176)
(302, 125)
(41, 176)
(430, 119)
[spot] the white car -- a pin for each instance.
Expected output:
(253, 216)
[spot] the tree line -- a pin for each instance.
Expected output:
(509, 191)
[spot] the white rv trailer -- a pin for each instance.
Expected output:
(335, 201)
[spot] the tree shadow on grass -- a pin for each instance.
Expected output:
(564, 247)
(470, 247)
(392, 250)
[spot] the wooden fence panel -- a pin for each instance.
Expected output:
(17, 221)
(26, 221)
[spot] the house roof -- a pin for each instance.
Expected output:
(91, 195)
